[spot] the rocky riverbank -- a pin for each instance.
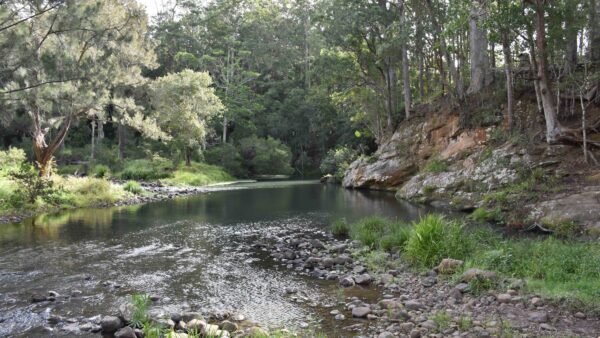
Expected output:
(435, 303)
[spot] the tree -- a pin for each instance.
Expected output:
(71, 59)
(183, 103)
(481, 74)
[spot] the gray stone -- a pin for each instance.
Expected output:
(386, 334)
(361, 311)
(229, 326)
(110, 324)
(413, 305)
(449, 266)
(347, 281)
(429, 281)
(125, 332)
(538, 317)
(364, 279)
(471, 274)
(504, 298)
(407, 327)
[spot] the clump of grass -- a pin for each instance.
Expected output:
(340, 227)
(465, 323)
(563, 228)
(378, 233)
(139, 315)
(483, 214)
(143, 169)
(89, 191)
(101, 171)
(199, 174)
(436, 165)
(433, 238)
(133, 187)
(442, 319)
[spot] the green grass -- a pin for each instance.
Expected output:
(559, 268)
(198, 174)
(139, 315)
(143, 169)
(340, 227)
(483, 214)
(133, 187)
(436, 165)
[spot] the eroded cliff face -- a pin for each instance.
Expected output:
(528, 183)
(407, 151)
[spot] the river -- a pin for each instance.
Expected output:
(194, 252)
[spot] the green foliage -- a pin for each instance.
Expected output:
(101, 171)
(465, 323)
(266, 156)
(434, 238)
(375, 232)
(436, 165)
(340, 227)
(139, 315)
(198, 174)
(369, 230)
(395, 239)
(89, 191)
(11, 160)
(142, 169)
(132, 187)
(442, 319)
(227, 156)
(563, 228)
(337, 161)
(30, 185)
(482, 214)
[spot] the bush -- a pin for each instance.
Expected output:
(133, 187)
(101, 171)
(88, 191)
(434, 238)
(11, 160)
(199, 174)
(484, 215)
(266, 156)
(30, 185)
(435, 165)
(375, 232)
(227, 156)
(154, 169)
(337, 161)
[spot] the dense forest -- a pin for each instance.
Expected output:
(311, 82)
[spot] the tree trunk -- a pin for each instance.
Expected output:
(121, 136)
(594, 31)
(188, 156)
(533, 69)
(44, 153)
(553, 127)
(571, 51)
(478, 49)
(405, 66)
(93, 153)
(445, 53)
(509, 80)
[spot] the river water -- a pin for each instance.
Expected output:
(195, 253)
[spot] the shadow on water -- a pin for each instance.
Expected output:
(195, 251)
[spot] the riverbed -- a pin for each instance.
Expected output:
(194, 253)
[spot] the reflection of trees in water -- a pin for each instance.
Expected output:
(50, 226)
(361, 203)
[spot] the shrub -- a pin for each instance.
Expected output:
(434, 238)
(436, 165)
(133, 187)
(154, 169)
(30, 185)
(11, 160)
(340, 227)
(101, 171)
(139, 315)
(485, 215)
(395, 239)
(337, 161)
(87, 191)
(369, 230)
(266, 156)
(227, 156)
(375, 232)
(199, 174)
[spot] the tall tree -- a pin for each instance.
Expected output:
(481, 74)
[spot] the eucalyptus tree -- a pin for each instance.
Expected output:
(70, 61)
(183, 104)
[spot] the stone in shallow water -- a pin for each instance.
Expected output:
(229, 326)
(347, 282)
(361, 311)
(363, 279)
(125, 332)
(110, 324)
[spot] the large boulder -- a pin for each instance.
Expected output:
(110, 324)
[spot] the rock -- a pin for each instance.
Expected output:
(415, 334)
(110, 324)
(53, 294)
(289, 255)
(229, 326)
(238, 318)
(188, 316)
(347, 281)
(386, 334)
(361, 311)
(538, 317)
(312, 262)
(429, 324)
(504, 298)
(86, 327)
(359, 269)
(429, 281)
(196, 324)
(579, 315)
(37, 298)
(125, 332)
(183, 335)
(211, 330)
(328, 262)
(154, 298)
(449, 266)
(547, 327)
(413, 305)
(536, 301)
(407, 327)
(340, 317)
(176, 317)
(342, 259)
(334, 312)
(363, 279)
(471, 274)
(317, 244)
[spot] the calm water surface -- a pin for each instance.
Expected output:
(194, 252)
